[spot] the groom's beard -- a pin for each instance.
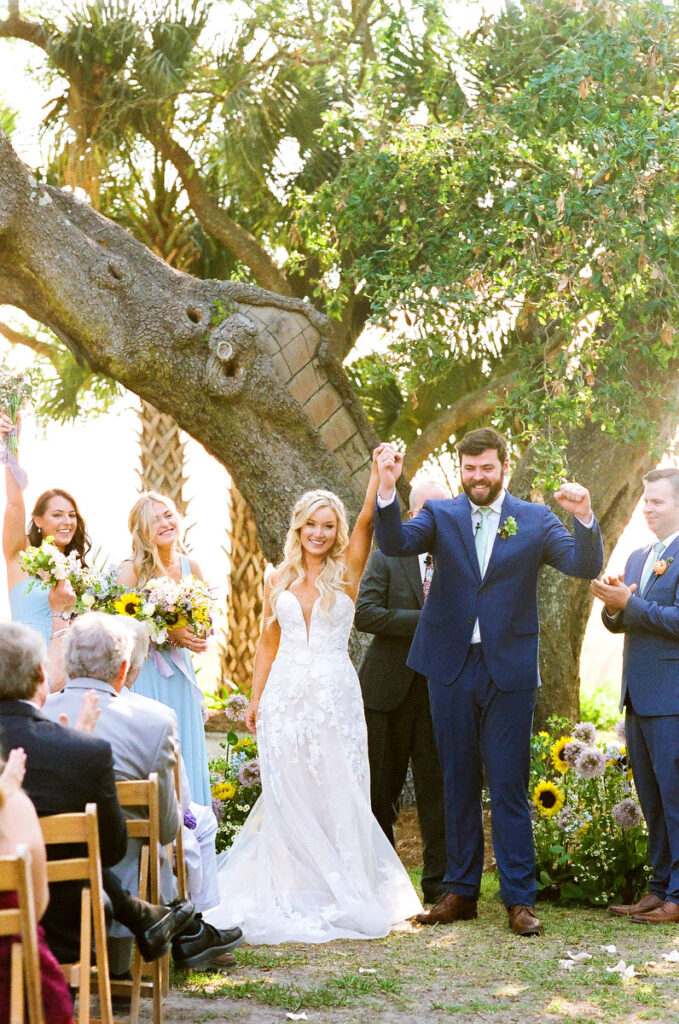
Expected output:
(483, 494)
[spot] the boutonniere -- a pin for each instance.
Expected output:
(508, 528)
(662, 565)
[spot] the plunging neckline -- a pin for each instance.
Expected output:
(307, 625)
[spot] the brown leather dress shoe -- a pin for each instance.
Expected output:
(666, 913)
(523, 921)
(647, 902)
(450, 907)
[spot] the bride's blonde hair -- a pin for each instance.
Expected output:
(145, 557)
(332, 576)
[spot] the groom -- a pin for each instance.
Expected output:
(477, 644)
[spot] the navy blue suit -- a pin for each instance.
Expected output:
(483, 695)
(650, 695)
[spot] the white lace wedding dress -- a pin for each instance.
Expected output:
(311, 863)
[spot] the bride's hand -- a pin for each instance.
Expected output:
(251, 715)
(182, 636)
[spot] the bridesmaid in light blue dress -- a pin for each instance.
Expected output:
(168, 674)
(55, 514)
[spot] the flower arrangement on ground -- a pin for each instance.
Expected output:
(236, 785)
(590, 836)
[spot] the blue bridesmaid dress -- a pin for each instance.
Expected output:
(32, 607)
(168, 676)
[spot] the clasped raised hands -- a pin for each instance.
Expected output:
(389, 467)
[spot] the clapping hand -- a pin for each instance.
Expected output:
(613, 591)
(575, 498)
(88, 716)
(13, 773)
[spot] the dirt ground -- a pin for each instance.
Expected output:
(466, 972)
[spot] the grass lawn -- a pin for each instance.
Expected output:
(471, 971)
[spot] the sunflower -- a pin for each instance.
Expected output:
(127, 604)
(224, 791)
(557, 750)
(548, 798)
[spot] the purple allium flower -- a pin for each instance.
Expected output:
(248, 774)
(627, 813)
(564, 817)
(585, 732)
(591, 763)
(620, 730)
(217, 808)
(236, 706)
(571, 752)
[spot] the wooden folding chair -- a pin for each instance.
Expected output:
(143, 794)
(81, 827)
(15, 876)
(180, 861)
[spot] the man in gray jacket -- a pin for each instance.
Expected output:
(143, 738)
(396, 699)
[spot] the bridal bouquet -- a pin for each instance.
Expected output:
(15, 389)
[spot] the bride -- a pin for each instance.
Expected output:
(311, 862)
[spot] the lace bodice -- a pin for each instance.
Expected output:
(328, 634)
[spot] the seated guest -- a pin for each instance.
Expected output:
(199, 839)
(65, 771)
(143, 736)
(19, 825)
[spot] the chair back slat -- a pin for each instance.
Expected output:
(15, 876)
(81, 827)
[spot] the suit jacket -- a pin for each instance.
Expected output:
(504, 601)
(388, 605)
(65, 770)
(650, 667)
(142, 734)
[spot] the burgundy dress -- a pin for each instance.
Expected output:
(56, 998)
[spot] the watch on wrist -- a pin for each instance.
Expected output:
(62, 615)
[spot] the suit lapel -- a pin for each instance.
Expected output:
(509, 507)
(411, 570)
(462, 511)
(670, 552)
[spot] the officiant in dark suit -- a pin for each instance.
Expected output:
(396, 697)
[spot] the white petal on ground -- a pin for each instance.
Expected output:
(296, 1016)
(610, 949)
(673, 957)
(567, 965)
(619, 968)
(578, 956)
(367, 970)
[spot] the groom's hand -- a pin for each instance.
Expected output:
(575, 498)
(389, 467)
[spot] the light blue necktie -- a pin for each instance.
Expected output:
(658, 549)
(481, 538)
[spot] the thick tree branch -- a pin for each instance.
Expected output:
(454, 418)
(213, 218)
(41, 348)
(250, 374)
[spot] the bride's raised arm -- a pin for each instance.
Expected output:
(360, 542)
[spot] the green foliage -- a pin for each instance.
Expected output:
(600, 707)
(500, 203)
(7, 119)
(583, 853)
(65, 390)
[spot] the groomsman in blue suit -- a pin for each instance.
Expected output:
(477, 644)
(644, 605)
